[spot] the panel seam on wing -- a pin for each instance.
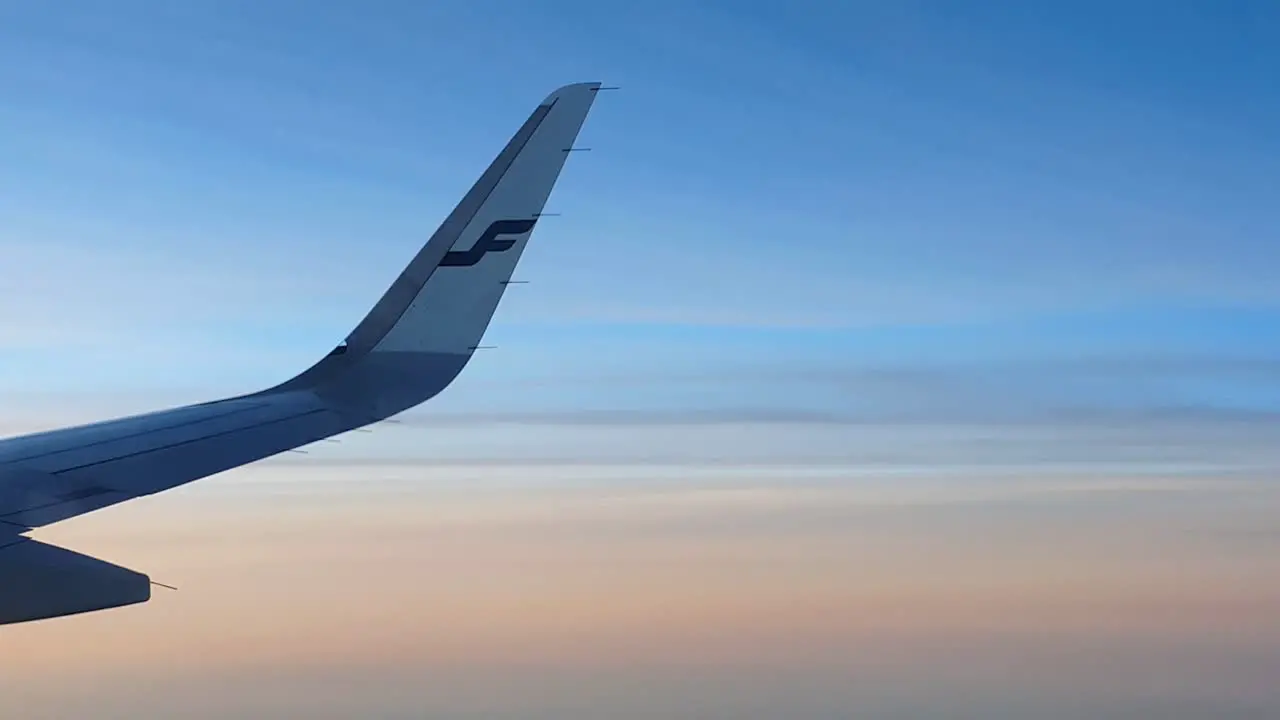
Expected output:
(203, 438)
(140, 433)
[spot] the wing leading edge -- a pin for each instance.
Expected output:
(411, 345)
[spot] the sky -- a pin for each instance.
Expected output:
(911, 359)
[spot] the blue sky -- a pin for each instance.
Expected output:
(1038, 209)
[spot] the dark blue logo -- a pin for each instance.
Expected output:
(491, 240)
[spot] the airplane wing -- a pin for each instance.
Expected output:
(410, 346)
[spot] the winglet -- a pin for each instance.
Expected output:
(510, 193)
(423, 330)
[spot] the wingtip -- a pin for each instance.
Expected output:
(571, 89)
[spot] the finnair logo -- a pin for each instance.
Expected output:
(498, 237)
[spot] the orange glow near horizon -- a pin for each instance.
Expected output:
(1137, 584)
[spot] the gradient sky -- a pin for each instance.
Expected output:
(894, 359)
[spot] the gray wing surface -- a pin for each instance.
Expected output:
(411, 345)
